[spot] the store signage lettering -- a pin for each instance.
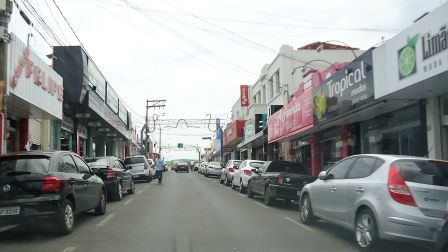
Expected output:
(48, 84)
(244, 95)
(435, 44)
(337, 88)
(297, 115)
(345, 90)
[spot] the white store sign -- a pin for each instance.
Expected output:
(415, 54)
(31, 79)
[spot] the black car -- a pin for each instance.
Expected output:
(48, 188)
(182, 167)
(115, 174)
(279, 180)
(442, 241)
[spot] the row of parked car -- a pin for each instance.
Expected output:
(378, 197)
(50, 188)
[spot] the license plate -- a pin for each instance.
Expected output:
(9, 211)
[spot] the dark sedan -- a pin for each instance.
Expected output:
(48, 188)
(115, 174)
(279, 180)
(182, 167)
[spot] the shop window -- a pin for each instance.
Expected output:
(331, 151)
(444, 121)
(399, 133)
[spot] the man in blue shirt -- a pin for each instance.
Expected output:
(160, 166)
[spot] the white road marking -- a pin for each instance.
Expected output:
(259, 204)
(139, 192)
(146, 187)
(106, 220)
(128, 201)
(69, 249)
(6, 228)
(300, 224)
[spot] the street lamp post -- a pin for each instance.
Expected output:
(304, 67)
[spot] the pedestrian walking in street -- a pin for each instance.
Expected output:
(160, 166)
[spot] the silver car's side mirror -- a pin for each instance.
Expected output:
(322, 175)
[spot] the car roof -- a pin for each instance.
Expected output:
(34, 152)
(253, 160)
(135, 156)
(393, 157)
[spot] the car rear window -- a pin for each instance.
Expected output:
(98, 161)
(215, 164)
(256, 165)
(134, 160)
(17, 165)
(290, 167)
(430, 172)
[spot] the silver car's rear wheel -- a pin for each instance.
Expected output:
(365, 230)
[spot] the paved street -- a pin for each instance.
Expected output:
(190, 213)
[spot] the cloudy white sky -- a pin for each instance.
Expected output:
(196, 53)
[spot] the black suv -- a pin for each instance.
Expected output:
(115, 175)
(48, 188)
(279, 180)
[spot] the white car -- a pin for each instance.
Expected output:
(202, 167)
(244, 174)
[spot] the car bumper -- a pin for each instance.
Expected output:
(214, 172)
(111, 186)
(140, 176)
(181, 169)
(284, 192)
(32, 210)
(407, 222)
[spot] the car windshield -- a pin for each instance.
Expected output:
(25, 164)
(182, 163)
(134, 160)
(95, 162)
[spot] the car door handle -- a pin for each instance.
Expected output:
(333, 189)
(360, 189)
(71, 180)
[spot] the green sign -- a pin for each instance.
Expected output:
(180, 145)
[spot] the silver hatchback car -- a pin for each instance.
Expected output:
(380, 197)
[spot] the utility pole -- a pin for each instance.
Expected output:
(160, 140)
(151, 104)
(5, 13)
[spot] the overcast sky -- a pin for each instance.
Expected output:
(196, 53)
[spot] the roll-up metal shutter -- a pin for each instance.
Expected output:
(35, 129)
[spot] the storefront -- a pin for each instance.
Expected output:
(233, 135)
(254, 142)
(34, 96)
(97, 121)
(413, 67)
(285, 126)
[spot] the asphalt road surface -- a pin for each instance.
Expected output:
(189, 212)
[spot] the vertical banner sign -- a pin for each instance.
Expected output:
(244, 95)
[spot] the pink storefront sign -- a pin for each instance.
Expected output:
(295, 117)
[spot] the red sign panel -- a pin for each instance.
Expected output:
(244, 95)
(295, 117)
(233, 131)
